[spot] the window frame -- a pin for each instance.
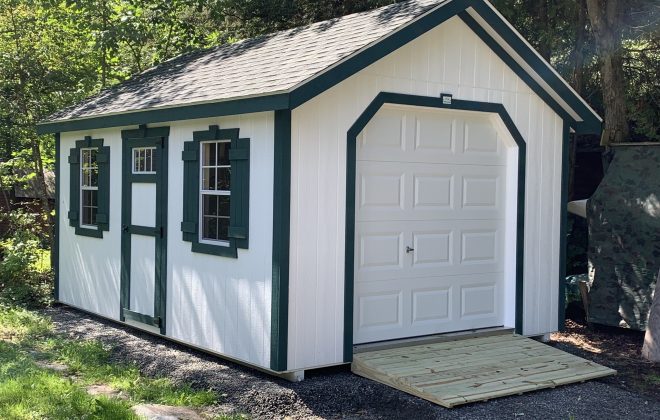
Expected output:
(83, 187)
(153, 171)
(203, 192)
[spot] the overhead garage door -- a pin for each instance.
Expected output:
(431, 206)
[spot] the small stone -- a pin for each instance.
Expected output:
(105, 391)
(165, 412)
(57, 367)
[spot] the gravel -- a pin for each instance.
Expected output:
(335, 392)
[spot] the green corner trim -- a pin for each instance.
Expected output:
(376, 51)
(353, 64)
(351, 164)
(281, 225)
(239, 205)
(565, 144)
(591, 124)
(55, 256)
(103, 212)
(178, 113)
(145, 137)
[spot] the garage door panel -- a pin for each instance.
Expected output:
(380, 250)
(414, 191)
(427, 136)
(430, 224)
(450, 247)
(429, 305)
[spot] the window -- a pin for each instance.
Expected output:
(89, 191)
(144, 160)
(89, 187)
(216, 192)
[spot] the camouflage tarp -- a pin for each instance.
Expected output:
(624, 238)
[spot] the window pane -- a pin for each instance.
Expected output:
(208, 179)
(210, 228)
(223, 229)
(223, 181)
(94, 177)
(147, 165)
(223, 205)
(208, 154)
(210, 205)
(223, 153)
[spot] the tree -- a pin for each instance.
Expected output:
(606, 17)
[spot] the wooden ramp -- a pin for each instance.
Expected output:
(475, 369)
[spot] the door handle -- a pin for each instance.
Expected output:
(409, 250)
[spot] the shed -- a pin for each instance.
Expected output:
(385, 175)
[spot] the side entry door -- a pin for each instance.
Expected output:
(144, 220)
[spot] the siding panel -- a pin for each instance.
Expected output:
(458, 63)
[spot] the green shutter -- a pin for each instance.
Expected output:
(239, 211)
(74, 189)
(103, 214)
(190, 157)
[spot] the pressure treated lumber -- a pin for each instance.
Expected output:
(476, 369)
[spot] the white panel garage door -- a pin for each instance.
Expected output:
(430, 224)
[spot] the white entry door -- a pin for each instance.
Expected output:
(431, 205)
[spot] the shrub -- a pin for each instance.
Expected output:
(26, 277)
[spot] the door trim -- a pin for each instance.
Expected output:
(130, 139)
(351, 167)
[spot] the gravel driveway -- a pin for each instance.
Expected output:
(336, 392)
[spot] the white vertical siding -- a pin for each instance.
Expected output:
(218, 303)
(90, 267)
(451, 59)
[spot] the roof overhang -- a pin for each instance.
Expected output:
(479, 15)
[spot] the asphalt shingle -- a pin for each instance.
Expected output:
(255, 67)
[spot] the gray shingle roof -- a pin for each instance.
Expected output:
(255, 67)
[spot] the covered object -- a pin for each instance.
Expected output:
(624, 238)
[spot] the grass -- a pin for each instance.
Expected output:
(30, 391)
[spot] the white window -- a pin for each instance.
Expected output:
(89, 187)
(215, 192)
(144, 160)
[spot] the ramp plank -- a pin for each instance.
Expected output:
(476, 369)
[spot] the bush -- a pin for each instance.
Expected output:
(26, 277)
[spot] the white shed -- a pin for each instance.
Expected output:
(389, 174)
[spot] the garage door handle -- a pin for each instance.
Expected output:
(409, 250)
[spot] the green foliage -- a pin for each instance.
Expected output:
(91, 362)
(29, 390)
(25, 271)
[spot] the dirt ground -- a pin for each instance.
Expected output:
(617, 348)
(335, 393)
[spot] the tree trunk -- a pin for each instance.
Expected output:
(606, 22)
(544, 29)
(578, 83)
(42, 187)
(651, 348)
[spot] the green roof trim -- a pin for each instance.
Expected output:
(422, 19)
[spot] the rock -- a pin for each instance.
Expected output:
(105, 391)
(165, 412)
(57, 367)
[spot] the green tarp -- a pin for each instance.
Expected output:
(624, 238)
